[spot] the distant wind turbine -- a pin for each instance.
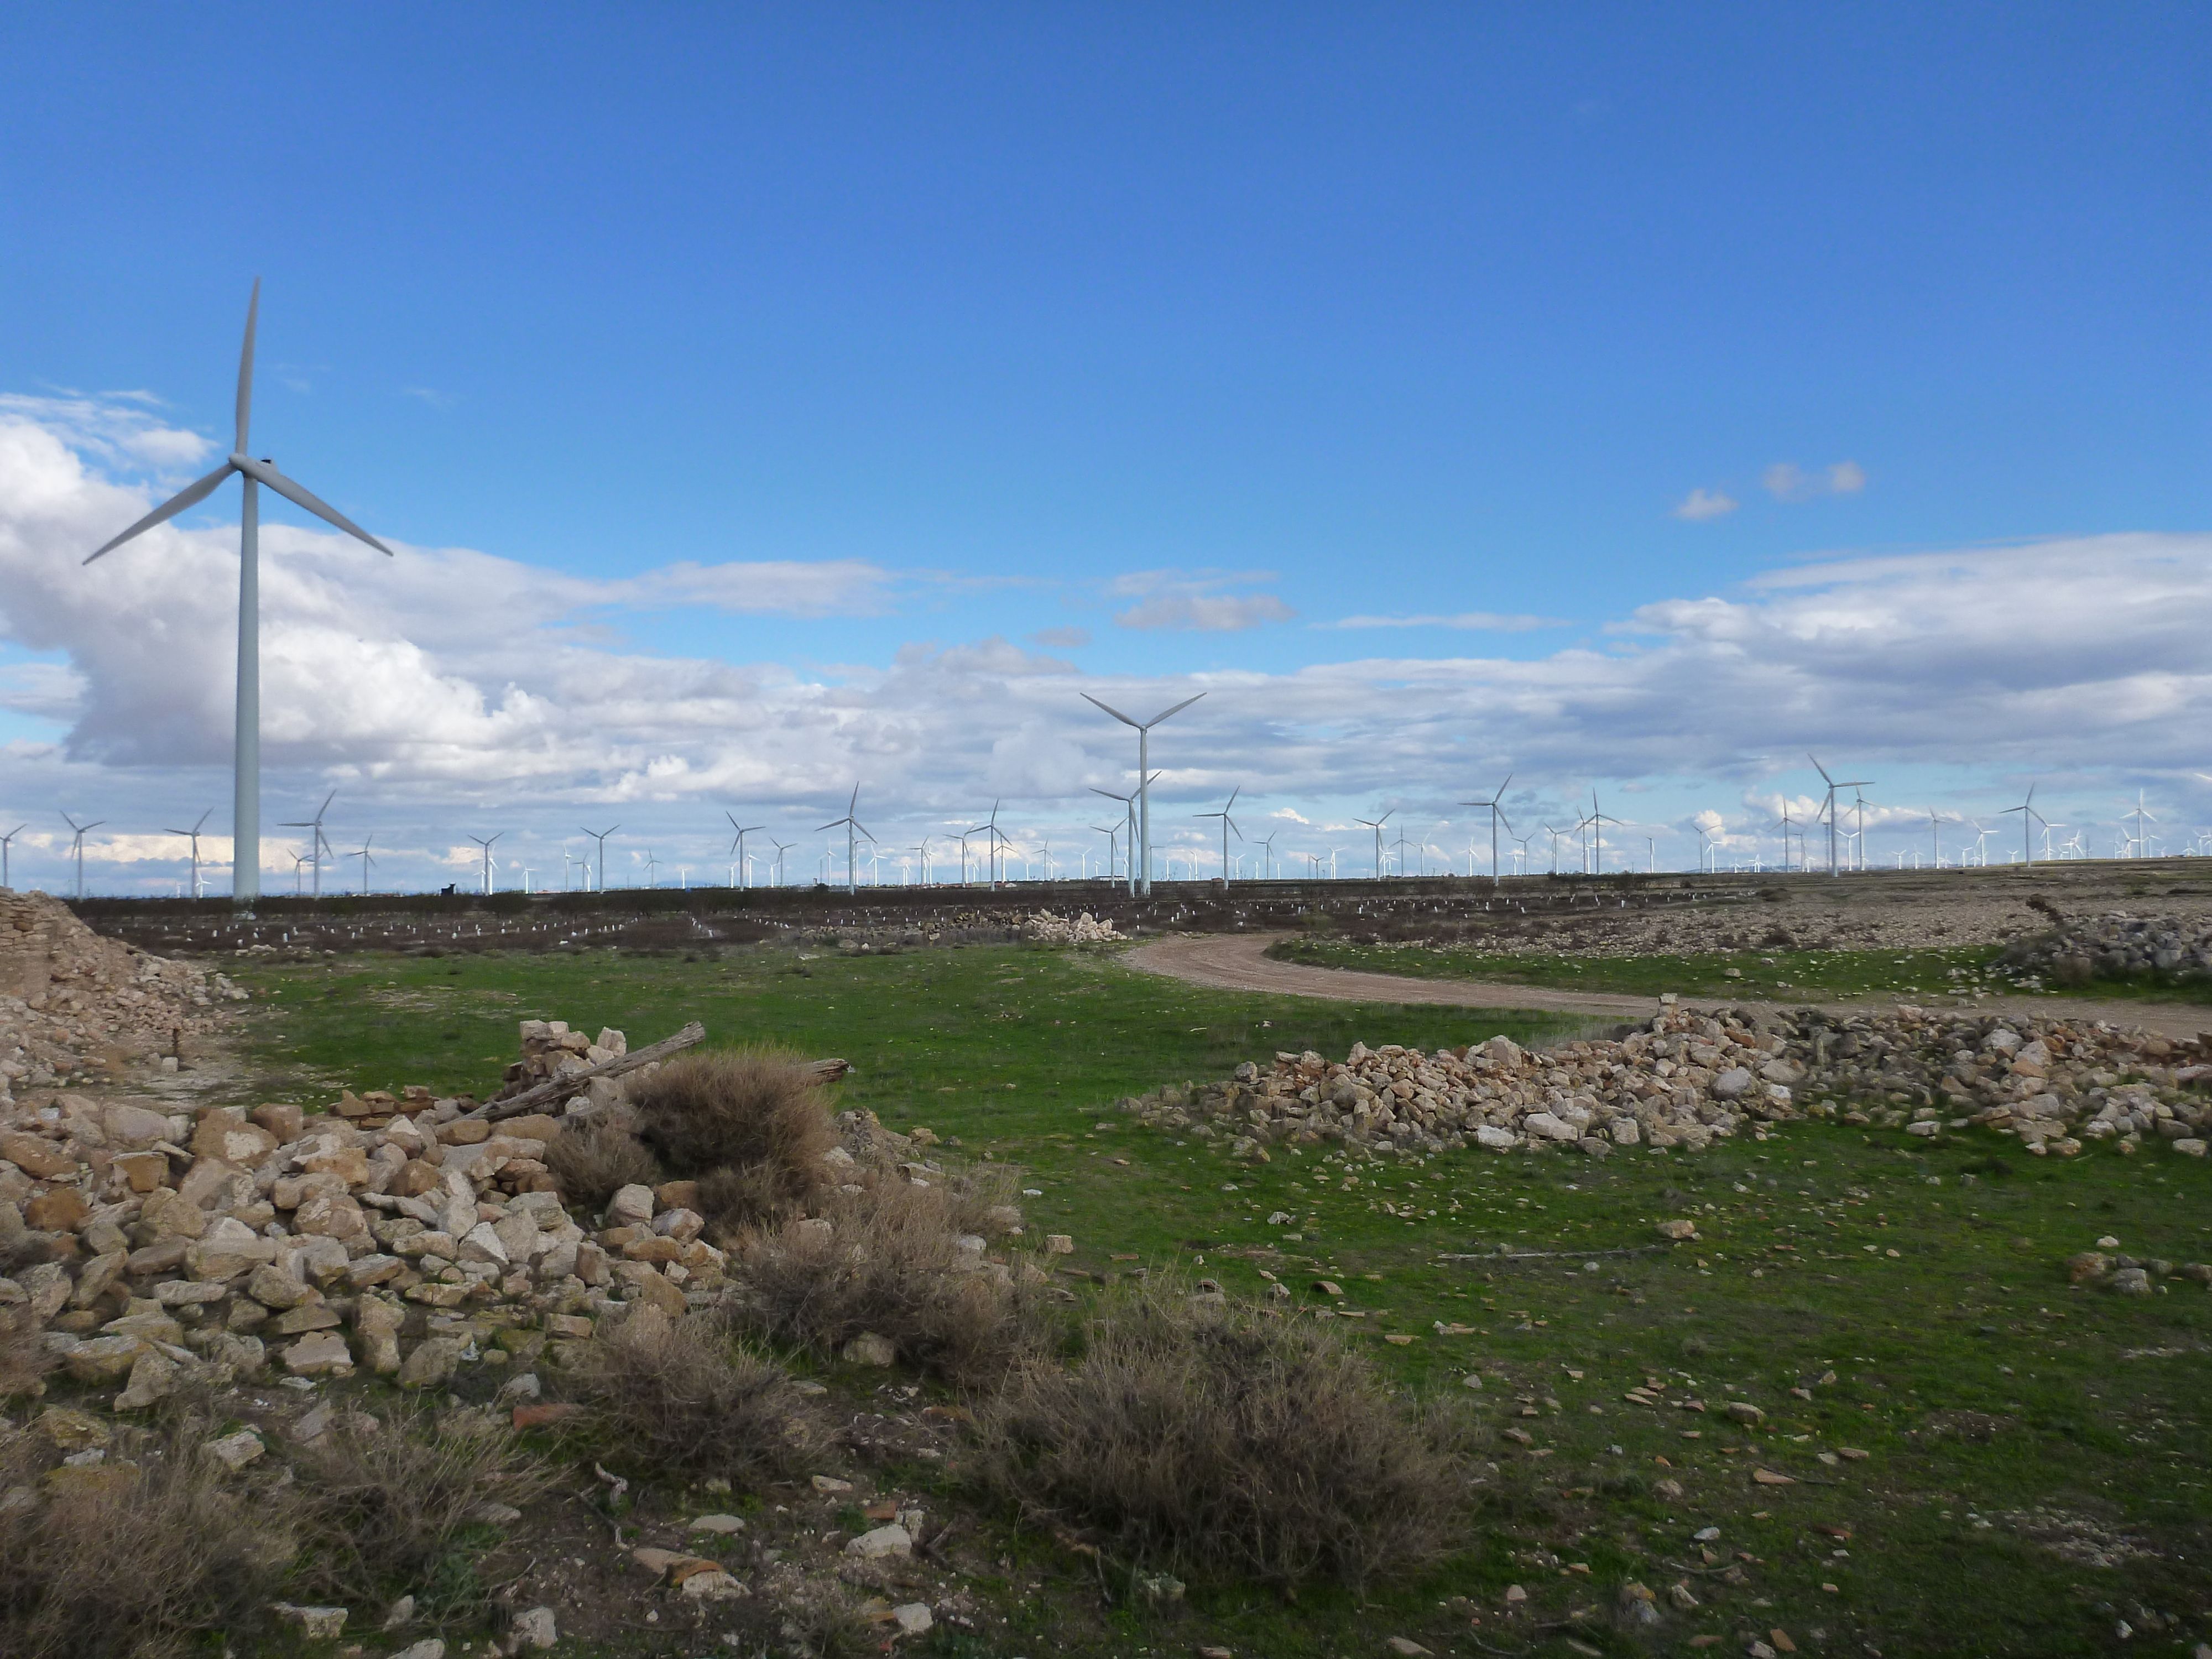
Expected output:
(1228, 824)
(318, 844)
(8, 840)
(194, 832)
(2028, 819)
(738, 845)
(600, 836)
(1142, 863)
(486, 845)
(1828, 807)
(366, 860)
(1129, 843)
(1497, 815)
(76, 846)
(1375, 825)
(850, 824)
(246, 799)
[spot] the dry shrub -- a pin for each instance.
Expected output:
(25, 1359)
(385, 1502)
(1230, 1443)
(758, 1114)
(172, 1552)
(684, 1396)
(890, 1262)
(592, 1159)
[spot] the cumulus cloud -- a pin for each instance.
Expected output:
(451, 689)
(1702, 503)
(1788, 481)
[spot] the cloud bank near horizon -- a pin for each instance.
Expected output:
(451, 679)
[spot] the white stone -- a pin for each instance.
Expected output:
(888, 1540)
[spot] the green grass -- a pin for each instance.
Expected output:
(1980, 1385)
(1764, 975)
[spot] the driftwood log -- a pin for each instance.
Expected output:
(555, 1090)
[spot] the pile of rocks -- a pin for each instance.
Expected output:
(394, 1232)
(2178, 948)
(1045, 928)
(74, 1006)
(1687, 1078)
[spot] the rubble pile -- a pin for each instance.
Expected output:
(391, 1233)
(1686, 1079)
(2117, 946)
(74, 1005)
(1045, 928)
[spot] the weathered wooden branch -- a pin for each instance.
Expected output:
(555, 1090)
(1555, 1255)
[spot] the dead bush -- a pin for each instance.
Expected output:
(140, 1557)
(25, 1359)
(384, 1502)
(757, 1113)
(685, 1396)
(1230, 1443)
(889, 1261)
(594, 1157)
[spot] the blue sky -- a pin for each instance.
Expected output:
(1231, 327)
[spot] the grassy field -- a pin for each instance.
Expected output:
(2035, 1467)
(1764, 975)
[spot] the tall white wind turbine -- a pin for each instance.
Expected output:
(486, 845)
(1828, 806)
(8, 841)
(363, 854)
(1228, 824)
(738, 845)
(1141, 865)
(245, 788)
(1129, 844)
(1375, 825)
(1496, 815)
(319, 843)
(851, 824)
(2028, 817)
(194, 833)
(76, 846)
(600, 836)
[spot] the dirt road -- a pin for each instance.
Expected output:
(1239, 962)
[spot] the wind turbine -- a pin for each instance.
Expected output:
(1981, 843)
(194, 832)
(1934, 838)
(993, 838)
(738, 845)
(1704, 844)
(77, 847)
(2138, 842)
(1521, 851)
(600, 836)
(1113, 834)
(1554, 835)
(851, 824)
(8, 841)
(1495, 816)
(651, 871)
(1375, 825)
(486, 845)
(781, 847)
(1597, 822)
(1784, 826)
(1828, 807)
(1129, 842)
(1141, 865)
(2028, 817)
(1267, 856)
(1228, 823)
(298, 881)
(366, 860)
(246, 799)
(924, 851)
(318, 844)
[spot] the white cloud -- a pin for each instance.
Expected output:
(1491, 622)
(1702, 503)
(1062, 638)
(449, 689)
(1788, 481)
(1206, 613)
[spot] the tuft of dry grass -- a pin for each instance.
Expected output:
(751, 1124)
(24, 1360)
(889, 1261)
(141, 1558)
(592, 1158)
(1227, 1442)
(385, 1501)
(684, 1396)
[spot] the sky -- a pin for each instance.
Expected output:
(764, 402)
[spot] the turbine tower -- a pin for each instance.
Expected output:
(363, 854)
(1375, 825)
(1129, 842)
(1141, 865)
(1828, 806)
(6, 842)
(246, 796)
(851, 824)
(194, 832)
(2028, 817)
(738, 845)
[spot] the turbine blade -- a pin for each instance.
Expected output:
(300, 495)
(1164, 713)
(1115, 712)
(245, 369)
(190, 496)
